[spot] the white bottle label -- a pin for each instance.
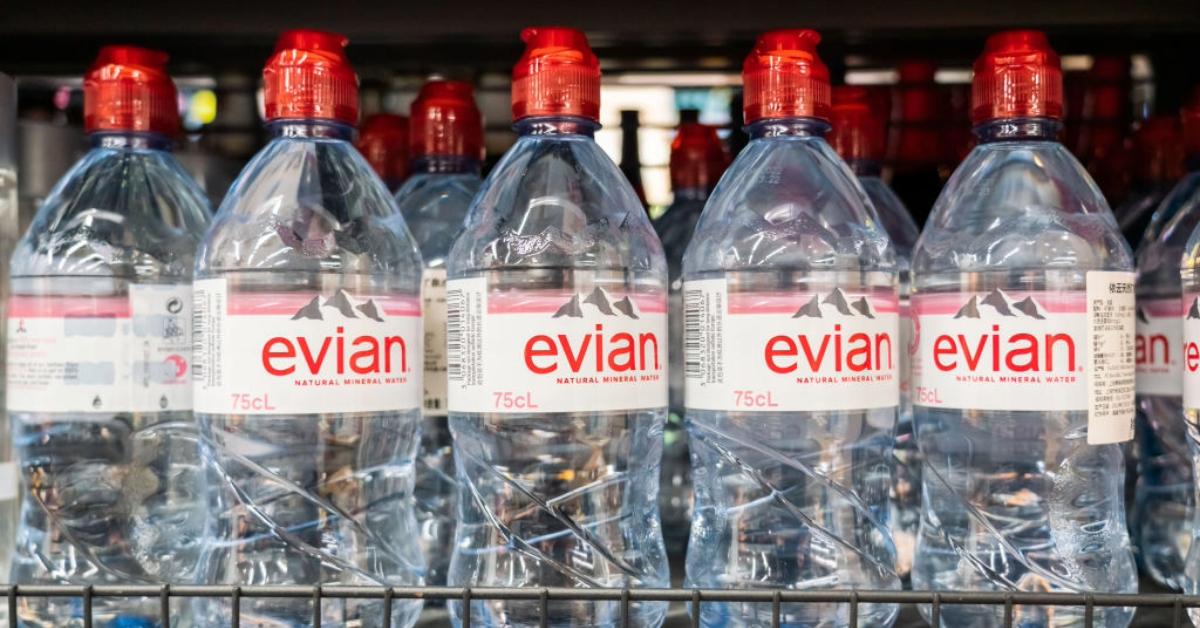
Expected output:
(101, 354)
(433, 304)
(526, 351)
(1159, 344)
(305, 353)
(1191, 353)
(788, 352)
(1031, 351)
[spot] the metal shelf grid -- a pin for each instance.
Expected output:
(1175, 604)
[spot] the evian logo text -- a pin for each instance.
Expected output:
(337, 353)
(600, 350)
(1191, 344)
(856, 352)
(1006, 344)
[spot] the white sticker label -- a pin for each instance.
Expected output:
(1159, 346)
(433, 304)
(101, 354)
(1030, 351)
(902, 347)
(1112, 357)
(305, 353)
(526, 351)
(787, 352)
(1191, 353)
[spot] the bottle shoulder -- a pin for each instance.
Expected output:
(1020, 205)
(434, 206)
(128, 212)
(1175, 219)
(789, 203)
(893, 215)
(557, 202)
(308, 204)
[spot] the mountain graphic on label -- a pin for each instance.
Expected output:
(834, 303)
(342, 303)
(599, 300)
(999, 304)
(1194, 311)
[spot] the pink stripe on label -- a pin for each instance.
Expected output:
(950, 304)
(20, 306)
(1162, 308)
(550, 302)
(290, 303)
(790, 302)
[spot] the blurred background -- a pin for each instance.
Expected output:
(1125, 62)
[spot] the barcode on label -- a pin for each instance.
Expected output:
(208, 304)
(693, 312)
(456, 301)
(199, 329)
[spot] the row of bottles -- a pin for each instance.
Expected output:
(474, 381)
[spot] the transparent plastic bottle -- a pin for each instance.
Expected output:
(1190, 316)
(556, 331)
(791, 322)
(99, 392)
(1158, 161)
(1162, 515)
(447, 150)
(1023, 361)
(697, 160)
(918, 145)
(308, 360)
(858, 136)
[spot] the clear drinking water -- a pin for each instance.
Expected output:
(434, 202)
(1190, 279)
(1018, 500)
(305, 498)
(556, 498)
(791, 499)
(109, 496)
(1162, 516)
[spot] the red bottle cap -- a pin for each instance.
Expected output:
(1158, 150)
(698, 159)
(918, 97)
(784, 78)
(128, 89)
(1017, 76)
(383, 140)
(1191, 124)
(858, 129)
(308, 77)
(445, 121)
(558, 75)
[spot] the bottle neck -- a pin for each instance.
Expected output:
(446, 164)
(1018, 129)
(690, 193)
(313, 129)
(556, 125)
(787, 127)
(866, 167)
(129, 140)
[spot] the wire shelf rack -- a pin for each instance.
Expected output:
(1174, 605)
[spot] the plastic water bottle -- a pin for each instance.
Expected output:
(1158, 160)
(792, 351)
(1162, 515)
(697, 160)
(1023, 363)
(556, 332)
(308, 360)
(1190, 316)
(858, 135)
(447, 149)
(99, 388)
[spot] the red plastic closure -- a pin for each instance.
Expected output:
(309, 77)
(1017, 76)
(558, 75)
(698, 159)
(859, 130)
(383, 141)
(784, 78)
(128, 89)
(446, 121)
